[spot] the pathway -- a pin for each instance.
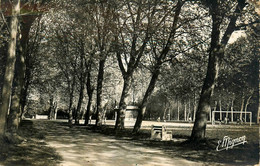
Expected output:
(81, 147)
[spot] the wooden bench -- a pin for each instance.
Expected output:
(161, 132)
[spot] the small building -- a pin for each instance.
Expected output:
(131, 112)
(41, 116)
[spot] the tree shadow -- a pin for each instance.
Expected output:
(204, 151)
(31, 151)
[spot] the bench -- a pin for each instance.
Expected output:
(161, 132)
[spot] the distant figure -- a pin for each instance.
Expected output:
(243, 120)
(190, 119)
(239, 121)
(226, 120)
(219, 121)
(90, 119)
(159, 119)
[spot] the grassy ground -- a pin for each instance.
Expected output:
(33, 149)
(204, 152)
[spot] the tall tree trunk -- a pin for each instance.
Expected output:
(258, 70)
(87, 115)
(90, 90)
(143, 106)
(24, 94)
(247, 103)
(220, 110)
(120, 121)
(185, 112)
(82, 80)
(17, 104)
(228, 106)
(232, 109)
(99, 90)
(71, 91)
(242, 106)
(81, 96)
(178, 109)
(189, 110)
(194, 107)
(15, 108)
(258, 90)
(52, 108)
(199, 128)
(10, 65)
(25, 65)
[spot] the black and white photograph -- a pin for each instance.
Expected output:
(129, 82)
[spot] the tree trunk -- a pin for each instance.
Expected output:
(189, 108)
(232, 109)
(194, 108)
(81, 96)
(258, 94)
(99, 90)
(15, 109)
(10, 65)
(228, 106)
(82, 80)
(87, 115)
(247, 103)
(24, 96)
(52, 108)
(71, 91)
(216, 104)
(17, 104)
(199, 128)
(120, 121)
(220, 110)
(90, 90)
(242, 106)
(178, 109)
(143, 106)
(26, 66)
(185, 112)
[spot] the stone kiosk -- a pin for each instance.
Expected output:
(130, 114)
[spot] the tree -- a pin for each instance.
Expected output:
(218, 11)
(156, 71)
(10, 66)
(19, 85)
(103, 20)
(90, 90)
(135, 29)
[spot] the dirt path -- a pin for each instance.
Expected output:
(80, 147)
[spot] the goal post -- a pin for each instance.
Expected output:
(231, 114)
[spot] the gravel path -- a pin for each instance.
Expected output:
(81, 147)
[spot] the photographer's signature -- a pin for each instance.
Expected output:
(229, 143)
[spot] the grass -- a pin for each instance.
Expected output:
(32, 151)
(205, 151)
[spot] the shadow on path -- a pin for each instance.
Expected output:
(79, 147)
